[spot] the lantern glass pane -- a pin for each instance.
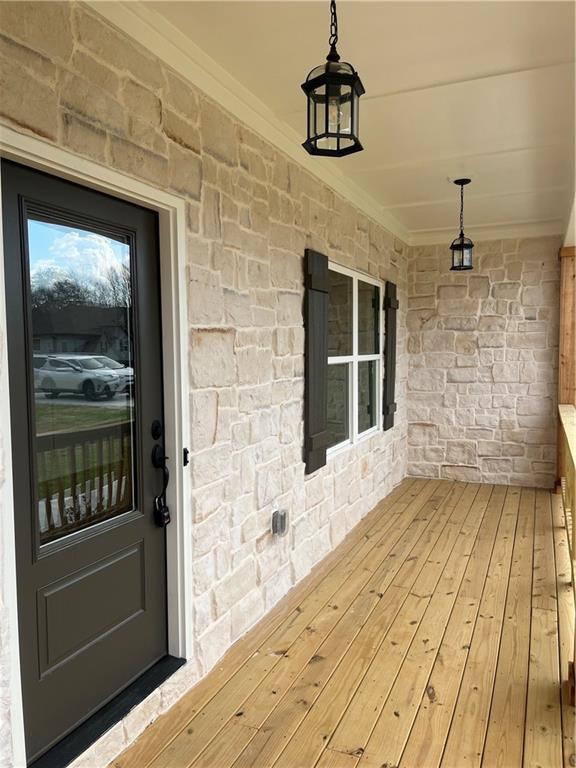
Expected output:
(467, 257)
(346, 110)
(327, 142)
(334, 109)
(319, 96)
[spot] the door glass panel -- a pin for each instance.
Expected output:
(80, 289)
(368, 315)
(367, 395)
(338, 399)
(339, 314)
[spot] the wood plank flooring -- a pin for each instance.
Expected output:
(435, 636)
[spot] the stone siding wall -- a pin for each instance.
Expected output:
(73, 80)
(482, 384)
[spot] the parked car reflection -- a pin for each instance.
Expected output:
(125, 373)
(75, 374)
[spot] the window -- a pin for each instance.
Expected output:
(354, 356)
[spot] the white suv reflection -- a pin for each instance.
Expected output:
(78, 374)
(123, 371)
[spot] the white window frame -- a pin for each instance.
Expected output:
(356, 358)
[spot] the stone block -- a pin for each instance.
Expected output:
(181, 131)
(422, 434)
(492, 323)
(214, 643)
(461, 452)
(102, 76)
(466, 343)
(489, 448)
(116, 49)
(462, 375)
(289, 308)
(247, 612)
(438, 341)
(210, 465)
(452, 291)
(36, 63)
(460, 473)
(236, 586)
(505, 372)
(527, 340)
(146, 135)
(532, 296)
(26, 101)
(181, 96)
(417, 320)
(185, 172)
(211, 224)
(136, 161)
(83, 138)
(268, 483)
(458, 323)
(464, 307)
(219, 136)
(204, 408)
(506, 290)
(491, 261)
(422, 469)
(538, 248)
(142, 102)
(212, 360)
(534, 406)
(499, 465)
(478, 287)
(491, 339)
(45, 27)
(426, 380)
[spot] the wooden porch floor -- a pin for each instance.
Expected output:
(433, 636)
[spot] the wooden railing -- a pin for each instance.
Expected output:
(84, 476)
(567, 485)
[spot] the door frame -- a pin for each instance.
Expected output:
(171, 210)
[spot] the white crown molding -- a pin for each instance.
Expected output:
(506, 231)
(160, 37)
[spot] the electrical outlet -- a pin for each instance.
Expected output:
(280, 522)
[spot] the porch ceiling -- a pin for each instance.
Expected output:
(452, 88)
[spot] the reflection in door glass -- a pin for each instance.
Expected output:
(80, 290)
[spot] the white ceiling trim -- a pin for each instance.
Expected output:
(453, 200)
(505, 231)
(164, 40)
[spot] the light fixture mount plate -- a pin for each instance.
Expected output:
(462, 182)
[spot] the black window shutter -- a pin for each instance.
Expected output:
(315, 360)
(390, 312)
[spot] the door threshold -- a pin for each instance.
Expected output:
(82, 737)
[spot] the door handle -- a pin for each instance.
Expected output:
(161, 511)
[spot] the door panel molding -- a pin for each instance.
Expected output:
(171, 210)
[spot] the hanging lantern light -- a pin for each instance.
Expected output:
(333, 90)
(462, 246)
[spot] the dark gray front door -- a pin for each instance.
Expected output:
(84, 346)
